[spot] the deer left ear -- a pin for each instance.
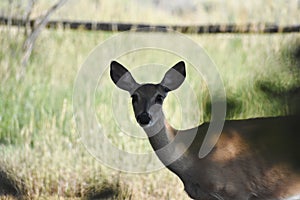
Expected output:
(122, 77)
(174, 77)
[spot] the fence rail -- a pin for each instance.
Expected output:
(115, 27)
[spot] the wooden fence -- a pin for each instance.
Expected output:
(115, 27)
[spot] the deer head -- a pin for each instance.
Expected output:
(147, 99)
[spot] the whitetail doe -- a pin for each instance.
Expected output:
(253, 158)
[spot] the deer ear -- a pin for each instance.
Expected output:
(174, 77)
(122, 77)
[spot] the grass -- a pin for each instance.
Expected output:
(41, 154)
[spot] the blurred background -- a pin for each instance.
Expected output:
(41, 155)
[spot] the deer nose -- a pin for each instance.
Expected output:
(143, 119)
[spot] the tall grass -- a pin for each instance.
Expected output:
(39, 146)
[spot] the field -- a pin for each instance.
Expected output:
(41, 153)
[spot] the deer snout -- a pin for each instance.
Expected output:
(143, 119)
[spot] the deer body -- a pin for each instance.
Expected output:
(253, 159)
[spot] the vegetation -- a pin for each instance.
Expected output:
(41, 155)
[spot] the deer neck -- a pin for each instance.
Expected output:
(160, 133)
(168, 149)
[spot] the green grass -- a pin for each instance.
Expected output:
(40, 149)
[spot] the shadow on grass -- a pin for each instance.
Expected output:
(106, 191)
(289, 97)
(233, 106)
(10, 186)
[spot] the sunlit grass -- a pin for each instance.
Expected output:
(191, 12)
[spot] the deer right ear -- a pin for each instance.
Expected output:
(122, 77)
(174, 77)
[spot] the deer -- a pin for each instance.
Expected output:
(253, 159)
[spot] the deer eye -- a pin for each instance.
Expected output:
(134, 98)
(159, 99)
